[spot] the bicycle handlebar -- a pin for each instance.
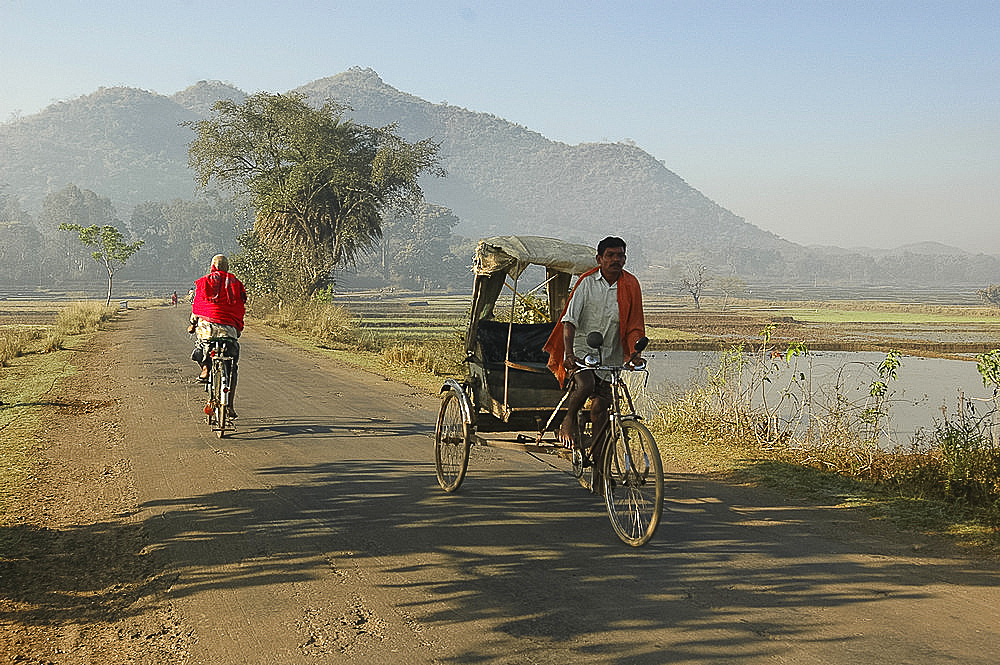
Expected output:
(627, 366)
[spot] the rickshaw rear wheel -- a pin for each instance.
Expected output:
(451, 442)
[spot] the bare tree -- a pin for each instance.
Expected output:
(731, 287)
(694, 280)
(990, 295)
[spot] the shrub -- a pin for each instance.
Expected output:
(12, 344)
(81, 317)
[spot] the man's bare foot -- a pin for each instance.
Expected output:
(567, 435)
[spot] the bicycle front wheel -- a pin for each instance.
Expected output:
(633, 483)
(451, 443)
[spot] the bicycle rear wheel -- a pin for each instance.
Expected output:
(633, 483)
(451, 442)
(216, 398)
(220, 386)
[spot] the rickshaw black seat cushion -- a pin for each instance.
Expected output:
(539, 388)
(526, 342)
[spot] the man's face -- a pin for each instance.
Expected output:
(611, 262)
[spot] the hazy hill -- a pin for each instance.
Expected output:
(131, 146)
(504, 178)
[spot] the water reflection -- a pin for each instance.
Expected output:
(924, 387)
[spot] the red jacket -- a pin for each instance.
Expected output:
(219, 297)
(631, 321)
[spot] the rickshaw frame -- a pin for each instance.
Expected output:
(510, 399)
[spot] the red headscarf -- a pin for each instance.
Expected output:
(219, 297)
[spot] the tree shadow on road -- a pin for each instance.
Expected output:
(525, 551)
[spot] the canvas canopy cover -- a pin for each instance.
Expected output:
(512, 254)
(502, 256)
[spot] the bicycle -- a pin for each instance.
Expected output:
(624, 458)
(624, 455)
(218, 386)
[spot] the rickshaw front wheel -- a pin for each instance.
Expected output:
(633, 483)
(451, 442)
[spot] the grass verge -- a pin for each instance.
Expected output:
(35, 360)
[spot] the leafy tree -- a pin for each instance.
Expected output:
(319, 184)
(260, 269)
(182, 236)
(71, 205)
(19, 246)
(416, 247)
(112, 250)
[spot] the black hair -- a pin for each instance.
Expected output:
(610, 241)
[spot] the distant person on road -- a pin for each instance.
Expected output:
(217, 311)
(173, 299)
(607, 299)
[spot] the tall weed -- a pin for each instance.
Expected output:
(82, 317)
(13, 343)
(439, 357)
(822, 427)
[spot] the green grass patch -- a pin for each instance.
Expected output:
(35, 361)
(25, 391)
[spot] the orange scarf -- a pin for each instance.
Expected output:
(631, 323)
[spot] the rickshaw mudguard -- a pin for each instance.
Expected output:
(463, 402)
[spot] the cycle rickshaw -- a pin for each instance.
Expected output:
(510, 399)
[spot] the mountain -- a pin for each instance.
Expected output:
(505, 178)
(130, 145)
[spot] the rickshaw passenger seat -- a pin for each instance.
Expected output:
(526, 342)
(531, 382)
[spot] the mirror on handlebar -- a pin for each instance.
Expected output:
(640, 344)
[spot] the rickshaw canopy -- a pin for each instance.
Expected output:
(498, 257)
(512, 254)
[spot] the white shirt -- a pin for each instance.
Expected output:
(594, 306)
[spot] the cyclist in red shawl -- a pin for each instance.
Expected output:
(606, 299)
(217, 311)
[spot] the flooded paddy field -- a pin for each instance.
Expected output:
(935, 330)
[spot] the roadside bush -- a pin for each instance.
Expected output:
(971, 459)
(53, 342)
(439, 357)
(82, 317)
(13, 342)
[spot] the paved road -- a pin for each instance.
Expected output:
(318, 534)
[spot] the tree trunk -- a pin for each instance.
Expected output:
(111, 276)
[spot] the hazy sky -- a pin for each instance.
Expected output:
(850, 123)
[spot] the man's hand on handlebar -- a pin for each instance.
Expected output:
(571, 362)
(636, 362)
